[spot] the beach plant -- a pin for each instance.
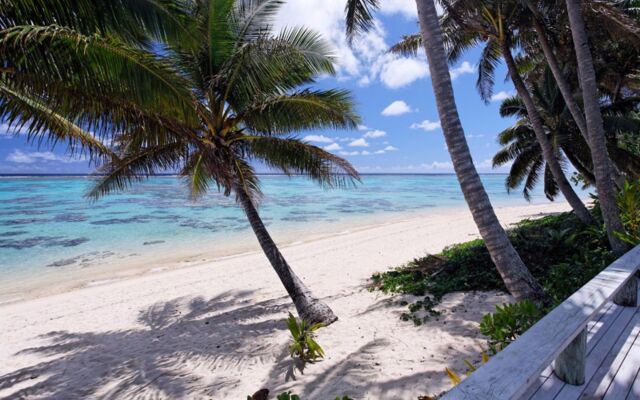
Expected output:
(629, 203)
(287, 396)
(303, 344)
(508, 322)
(204, 89)
(517, 278)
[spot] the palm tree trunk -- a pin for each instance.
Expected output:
(595, 128)
(561, 80)
(308, 307)
(547, 149)
(517, 278)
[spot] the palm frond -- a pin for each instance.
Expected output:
(359, 16)
(121, 173)
(292, 156)
(45, 126)
(489, 59)
(303, 109)
(94, 64)
(408, 45)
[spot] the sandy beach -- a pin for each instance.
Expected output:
(217, 330)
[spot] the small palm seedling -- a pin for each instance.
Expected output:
(303, 344)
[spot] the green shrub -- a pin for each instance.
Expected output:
(629, 204)
(561, 252)
(508, 322)
(303, 344)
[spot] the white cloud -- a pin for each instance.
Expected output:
(426, 125)
(364, 153)
(349, 153)
(474, 136)
(379, 152)
(8, 132)
(327, 18)
(390, 148)
(406, 8)
(376, 133)
(332, 147)
(317, 139)
(359, 143)
(398, 107)
(437, 165)
(501, 95)
(21, 157)
(488, 163)
(362, 127)
(402, 71)
(464, 68)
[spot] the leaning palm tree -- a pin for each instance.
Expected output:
(496, 25)
(517, 278)
(595, 128)
(231, 94)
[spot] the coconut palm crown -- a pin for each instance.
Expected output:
(204, 88)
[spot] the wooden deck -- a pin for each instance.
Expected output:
(613, 360)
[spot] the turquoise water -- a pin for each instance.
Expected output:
(46, 223)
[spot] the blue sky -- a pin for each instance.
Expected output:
(400, 131)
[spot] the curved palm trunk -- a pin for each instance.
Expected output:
(308, 307)
(517, 278)
(563, 84)
(547, 149)
(595, 128)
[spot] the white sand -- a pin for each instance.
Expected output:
(216, 330)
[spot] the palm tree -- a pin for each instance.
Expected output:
(518, 279)
(495, 24)
(229, 94)
(521, 147)
(595, 128)
(466, 25)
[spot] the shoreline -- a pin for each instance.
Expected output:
(63, 279)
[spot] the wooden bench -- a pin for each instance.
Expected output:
(559, 338)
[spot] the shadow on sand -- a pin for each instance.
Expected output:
(177, 346)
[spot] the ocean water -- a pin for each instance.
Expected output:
(47, 225)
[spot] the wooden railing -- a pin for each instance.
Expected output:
(560, 336)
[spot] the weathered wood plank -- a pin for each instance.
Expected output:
(623, 379)
(570, 364)
(518, 366)
(555, 385)
(634, 394)
(600, 352)
(628, 295)
(604, 316)
(600, 381)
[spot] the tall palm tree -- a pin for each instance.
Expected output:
(495, 24)
(518, 279)
(465, 25)
(229, 94)
(595, 128)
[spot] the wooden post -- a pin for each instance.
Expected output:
(571, 363)
(628, 294)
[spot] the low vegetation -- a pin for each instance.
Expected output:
(558, 249)
(303, 344)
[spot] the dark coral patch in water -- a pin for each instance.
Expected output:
(45, 241)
